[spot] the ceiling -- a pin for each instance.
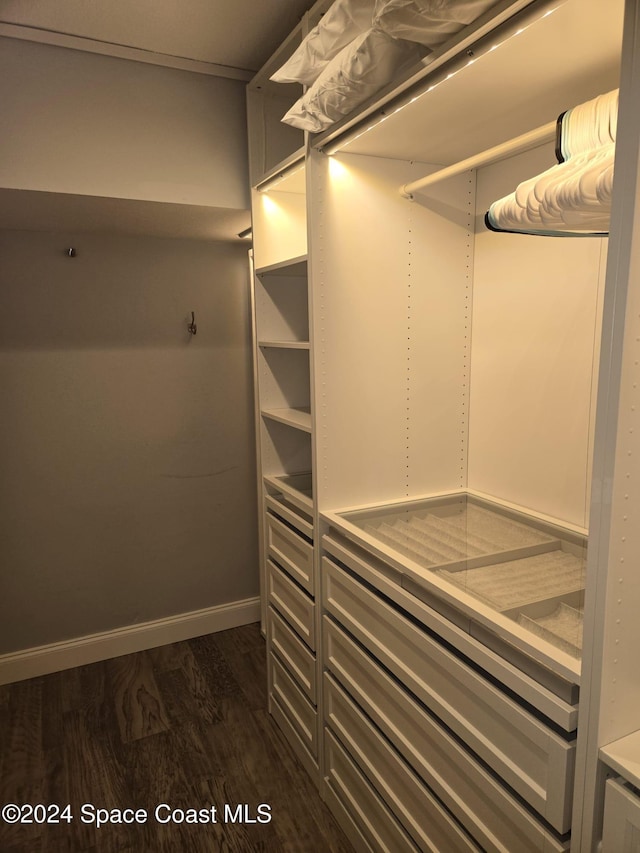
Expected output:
(238, 34)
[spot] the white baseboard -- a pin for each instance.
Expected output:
(42, 660)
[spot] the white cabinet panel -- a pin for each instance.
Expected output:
(300, 662)
(621, 830)
(299, 712)
(291, 551)
(292, 603)
(489, 812)
(429, 824)
(529, 756)
(347, 788)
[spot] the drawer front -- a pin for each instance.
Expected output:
(300, 713)
(621, 829)
(292, 604)
(495, 818)
(289, 514)
(300, 662)
(530, 757)
(381, 830)
(388, 581)
(291, 551)
(422, 816)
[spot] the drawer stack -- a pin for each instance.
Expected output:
(424, 748)
(621, 829)
(619, 774)
(291, 627)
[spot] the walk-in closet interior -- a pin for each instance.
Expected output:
(445, 335)
(399, 427)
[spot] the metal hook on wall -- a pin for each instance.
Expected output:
(192, 328)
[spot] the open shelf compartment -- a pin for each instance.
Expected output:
(296, 488)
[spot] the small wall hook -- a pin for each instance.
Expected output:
(71, 252)
(192, 328)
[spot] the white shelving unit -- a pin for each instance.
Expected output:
(283, 351)
(447, 361)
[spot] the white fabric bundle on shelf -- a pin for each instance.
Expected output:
(428, 22)
(344, 21)
(355, 74)
(574, 196)
(359, 46)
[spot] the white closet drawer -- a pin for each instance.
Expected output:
(300, 662)
(621, 828)
(490, 813)
(292, 603)
(373, 819)
(293, 515)
(529, 756)
(426, 821)
(300, 713)
(291, 551)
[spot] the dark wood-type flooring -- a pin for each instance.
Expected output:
(184, 724)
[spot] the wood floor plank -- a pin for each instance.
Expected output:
(139, 708)
(170, 657)
(186, 693)
(92, 774)
(21, 761)
(5, 723)
(184, 725)
(215, 667)
(246, 658)
(239, 640)
(310, 806)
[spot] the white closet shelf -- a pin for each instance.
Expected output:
(298, 488)
(291, 267)
(288, 176)
(299, 417)
(456, 110)
(377, 108)
(285, 344)
(624, 756)
(36, 210)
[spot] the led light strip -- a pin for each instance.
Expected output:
(273, 181)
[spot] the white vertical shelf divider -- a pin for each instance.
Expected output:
(610, 695)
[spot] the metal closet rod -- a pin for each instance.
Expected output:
(513, 146)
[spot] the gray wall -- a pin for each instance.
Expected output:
(126, 448)
(77, 122)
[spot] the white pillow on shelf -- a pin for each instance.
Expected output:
(359, 71)
(428, 22)
(342, 23)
